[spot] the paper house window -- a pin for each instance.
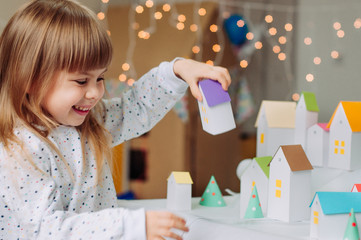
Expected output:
(278, 185)
(315, 217)
(339, 147)
(262, 138)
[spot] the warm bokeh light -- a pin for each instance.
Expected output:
(309, 77)
(243, 64)
(249, 35)
(122, 77)
(149, 3)
(143, 34)
(193, 27)
(139, 9)
(240, 23)
(282, 40)
(166, 7)
(135, 26)
(213, 28)
(307, 40)
(258, 45)
(337, 25)
(288, 27)
(125, 66)
(282, 56)
(105, 1)
(101, 16)
(268, 19)
(196, 49)
(158, 15)
(180, 26)
(131, 81)
(202, 12)
(340, 33)
(109, 33)
(357, 23)
(181, 18)
(276, 49)
(317, 60)
(210, 62)
(216, 48)
(272, 31)
(295, 97)
(335, 54)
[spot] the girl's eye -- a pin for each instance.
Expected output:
(81, 82)
(100, 79)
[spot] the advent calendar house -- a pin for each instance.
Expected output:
(275, 125)
(317, 144)
(306, 116)
(330, 212)
(179, 191)
(256, 174)
(215, 109)
(345, 136)
(289, 189)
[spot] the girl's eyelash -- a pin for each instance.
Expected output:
(81, 82)
(100, 79)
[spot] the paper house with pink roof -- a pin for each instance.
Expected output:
(289, 188)
(345, 136)
(317, 144)
(275, 125)
(356, 187)
(257, 173)
(215, 109)
(306, 116)
(330, 213)
(179, 191)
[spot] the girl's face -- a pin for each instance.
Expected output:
(72, 96)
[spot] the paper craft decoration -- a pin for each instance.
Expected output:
(345, 136)
(289, 189)
(254, 209)
(317, 144)
(306, 116)
(212, 196)
(351, 232)
(356, 188)
(329, 213)
(179, 191)
(275, 125)
(257, 173)
(215, 109)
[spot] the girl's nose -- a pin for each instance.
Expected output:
(95, 91)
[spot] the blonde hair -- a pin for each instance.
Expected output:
(41, 39)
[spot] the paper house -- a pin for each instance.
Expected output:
(275, 125)
(317, 144)
(306, 116)
(215, 109)
(179, 191)
(356, 188)
(289, 189)
(345, 136)
(330, 212)
(257, 173)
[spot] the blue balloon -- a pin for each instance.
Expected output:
(236, 29)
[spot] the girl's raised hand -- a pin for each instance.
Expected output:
(192, 72)
(159, 225)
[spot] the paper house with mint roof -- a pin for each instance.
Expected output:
(345, 136)
(275, 125)
(257, 173)
(289, 186)
(306, 116)
(330, 212)
(317, 144)
(179, 191)
(215, 109)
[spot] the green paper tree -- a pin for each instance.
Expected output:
(351, 232)
(254, 209)
(212, 196)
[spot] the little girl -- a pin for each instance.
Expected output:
(56, 131)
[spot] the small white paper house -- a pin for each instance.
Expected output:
(317, 144)
(345, 136)
(356, 187)
(257, 173)
(289, 189)
(275, 125)
(215, 109)
(330, 213)
(179, 191)
(306, 116)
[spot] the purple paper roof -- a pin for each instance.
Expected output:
(213, 92)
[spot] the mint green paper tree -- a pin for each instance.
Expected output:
(254, 209)
(351, 232)
(212, 196)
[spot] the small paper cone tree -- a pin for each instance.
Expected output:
(254, 209)
(351, 232)
(212, 196)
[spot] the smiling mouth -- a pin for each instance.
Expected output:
(81, 110)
